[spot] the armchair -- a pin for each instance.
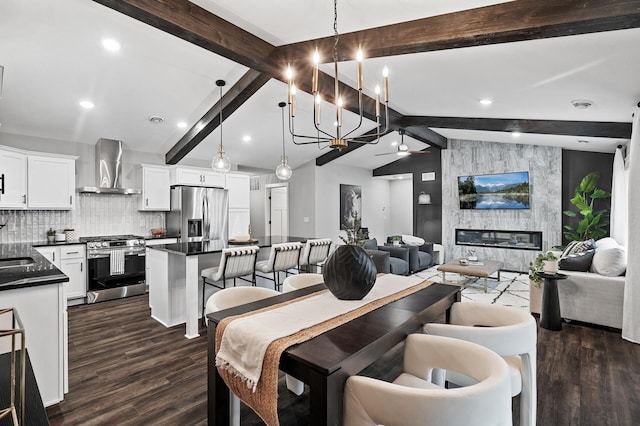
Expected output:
(388, 259)
(420, 256)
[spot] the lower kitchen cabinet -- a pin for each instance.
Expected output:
(71, 260)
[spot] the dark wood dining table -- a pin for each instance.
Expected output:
(325, 362)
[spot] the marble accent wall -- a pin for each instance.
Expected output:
(544, 165)
(95, 214)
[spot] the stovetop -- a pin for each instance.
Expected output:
(108, 238)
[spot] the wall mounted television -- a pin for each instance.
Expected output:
(494, 191)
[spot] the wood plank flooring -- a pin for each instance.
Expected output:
(126, 369)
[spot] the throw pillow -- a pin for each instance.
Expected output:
(606, 243)
(610, 262)
(412, 241)
(575, 247)
(371, 244)
(577, 262)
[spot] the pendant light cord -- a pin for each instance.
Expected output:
(221, 118)
(282, 111)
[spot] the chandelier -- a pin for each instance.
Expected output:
(339, 137)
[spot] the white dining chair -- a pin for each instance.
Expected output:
(283, 256)
(291, 283)
(417, 397)
(511, 333)
(236, 262)
(230, 298)
(314, 253)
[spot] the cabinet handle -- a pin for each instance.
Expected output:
(73, 252)
(81, 263)
(24, 199)
(2, 187)
(70, 199)
(146, 202)
(54, 256)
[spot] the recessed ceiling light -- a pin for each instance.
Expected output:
(111, 44)
(86, 104)
(486, 101)
(182, 124)
(581, 103)
(156, 119)
(515, 134)
(246, 138)
(394, 143)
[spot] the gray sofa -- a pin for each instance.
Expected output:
(388, 260)
(420, 257)
(592, 298)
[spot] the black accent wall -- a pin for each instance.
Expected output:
(427, 218)
(575, 166)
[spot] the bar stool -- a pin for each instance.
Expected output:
(283, 256)
(234, 263)
(315, 253)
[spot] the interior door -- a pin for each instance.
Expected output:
(279, 211)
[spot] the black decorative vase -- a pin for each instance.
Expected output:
(349, 273)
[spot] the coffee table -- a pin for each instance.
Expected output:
(483, 269)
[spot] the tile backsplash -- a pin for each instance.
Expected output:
(95, 214)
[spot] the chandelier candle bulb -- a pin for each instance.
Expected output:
(318, 102)
(377, 101)
(385, 75)
(289, 75)
(339, 112)
(359, 57)
(316, 61)
(293, 100)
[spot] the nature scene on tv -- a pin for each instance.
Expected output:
(497, 191)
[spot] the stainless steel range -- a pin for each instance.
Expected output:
(116, 267)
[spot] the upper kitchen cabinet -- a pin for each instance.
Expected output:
(13, 179)
(238, 186)
(155, 188)
(196, 177)
(51, 182)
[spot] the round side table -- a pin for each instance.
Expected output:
(550, 313)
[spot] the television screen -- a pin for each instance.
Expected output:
(496, 191)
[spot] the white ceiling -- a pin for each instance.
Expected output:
(53, 58)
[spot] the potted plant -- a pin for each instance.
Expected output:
(535, 282)
(594, 223)
(51, 235)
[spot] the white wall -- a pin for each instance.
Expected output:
(302, 201)
(401, 207)
(375, 201)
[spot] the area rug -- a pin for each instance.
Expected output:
(511, 290)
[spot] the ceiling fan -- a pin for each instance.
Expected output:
(403, 149)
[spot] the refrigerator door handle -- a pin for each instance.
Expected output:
(206, 220)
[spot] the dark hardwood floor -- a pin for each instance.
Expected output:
(126, 369)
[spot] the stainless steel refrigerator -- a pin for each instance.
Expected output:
(198, 214)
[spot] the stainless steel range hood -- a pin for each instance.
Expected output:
(108, 170)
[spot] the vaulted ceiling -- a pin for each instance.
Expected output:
(532, 58)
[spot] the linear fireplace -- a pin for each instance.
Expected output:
(520, 240)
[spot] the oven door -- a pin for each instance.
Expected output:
(101, 276)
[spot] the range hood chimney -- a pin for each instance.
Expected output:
(108, 170)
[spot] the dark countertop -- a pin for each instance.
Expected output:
(45, 243)
(42, 272)
(196, 248)
(159, 237)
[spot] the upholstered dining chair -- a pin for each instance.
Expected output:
(236, 262)
(229, 298)
(417, 397)
(511, 333)
(291, 283)
(283, 256)
(315, 253)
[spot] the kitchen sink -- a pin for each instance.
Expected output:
(16, 262)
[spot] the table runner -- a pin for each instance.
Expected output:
(250, 370)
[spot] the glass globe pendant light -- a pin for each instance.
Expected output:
(220, 162)
(283, 171)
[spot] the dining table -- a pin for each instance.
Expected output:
(326, 361)
(173, 276)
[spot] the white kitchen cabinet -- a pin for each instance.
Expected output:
(239, 220)
(51, 182)
(196, 177)
(73, 265)
(239, 193)
(71, 260)
(155, 188)
(13, 180)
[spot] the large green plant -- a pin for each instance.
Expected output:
(592, 224)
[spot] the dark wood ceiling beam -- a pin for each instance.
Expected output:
(335, 153)
(546, 127)
(232, 99)
(196, 25)
(502, 23)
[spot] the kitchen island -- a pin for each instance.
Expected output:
(35, 288)
(171, 266)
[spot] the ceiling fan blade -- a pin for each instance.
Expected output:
(419, 152)
(386, 153)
